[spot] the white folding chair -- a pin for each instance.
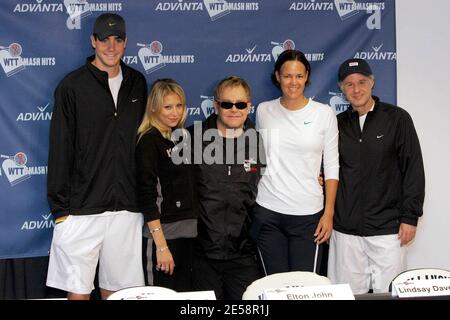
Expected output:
(420, 274)
(283, 280)
(145, 293)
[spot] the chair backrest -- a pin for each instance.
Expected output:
(420, 274)
(145, 293)
(283, 280)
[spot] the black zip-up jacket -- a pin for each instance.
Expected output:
(91, 164)
(226, 195)
(381, 176)
(154, 165)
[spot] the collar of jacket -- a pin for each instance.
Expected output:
(211, 123)
(102, 76)
(351, 112)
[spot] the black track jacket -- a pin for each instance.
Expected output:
(91, 164)
(381, 176)
(226, 195)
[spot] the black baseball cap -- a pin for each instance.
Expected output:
(354, 65)
(109, 24)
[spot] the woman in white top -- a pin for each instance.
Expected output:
(291, 220)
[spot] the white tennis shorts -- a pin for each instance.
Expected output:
(365, 262)
(112, 239)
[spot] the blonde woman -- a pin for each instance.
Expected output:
(172, 224)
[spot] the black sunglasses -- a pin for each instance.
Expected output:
(228, 105)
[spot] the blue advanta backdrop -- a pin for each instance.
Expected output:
(196, 42)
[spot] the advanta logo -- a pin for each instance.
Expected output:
(312, 5)
(179, 5)
(45, 223)
(16, 170)
(249, 56)
(376, 54)
(38, 6)
(42, 115)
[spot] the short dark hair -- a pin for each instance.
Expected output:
(290, 55)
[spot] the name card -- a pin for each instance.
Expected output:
(421, 288)
(197, 295)
(329, 292)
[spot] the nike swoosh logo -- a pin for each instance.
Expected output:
(381, 136)
(112, 24)
(134, 100)
(305, 123)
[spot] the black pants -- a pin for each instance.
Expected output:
(181, 279)
(286, 242)
(228, 278)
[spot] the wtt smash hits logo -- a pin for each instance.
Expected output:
(377, 54)
(46, 222)
(206, 107)
(76, 9)
(41, 115)
(252, 56)
(345, 9)
(12, 61)
(215, 8)
(16, 170)
(338, 102)
(151, 57)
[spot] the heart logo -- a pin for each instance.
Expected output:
(14, 173)
(338, 103)
(276, 51)
(150, 61)
(10, 65)
(77, 8)
(346, 8)
(207, 107)
(216, 8)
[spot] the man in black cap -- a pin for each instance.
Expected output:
(381, 186)
(91, 170)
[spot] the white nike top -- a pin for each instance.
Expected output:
(294, 142)
(362, 119)
(114, 85)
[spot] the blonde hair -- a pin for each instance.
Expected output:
(155, 100)
(232, 81)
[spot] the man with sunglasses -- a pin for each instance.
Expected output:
(226, 182)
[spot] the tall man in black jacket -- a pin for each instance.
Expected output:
(227, 169)
(381, 186)
(91, 170)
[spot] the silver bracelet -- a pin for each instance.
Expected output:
(155, 229)
(162, 249)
